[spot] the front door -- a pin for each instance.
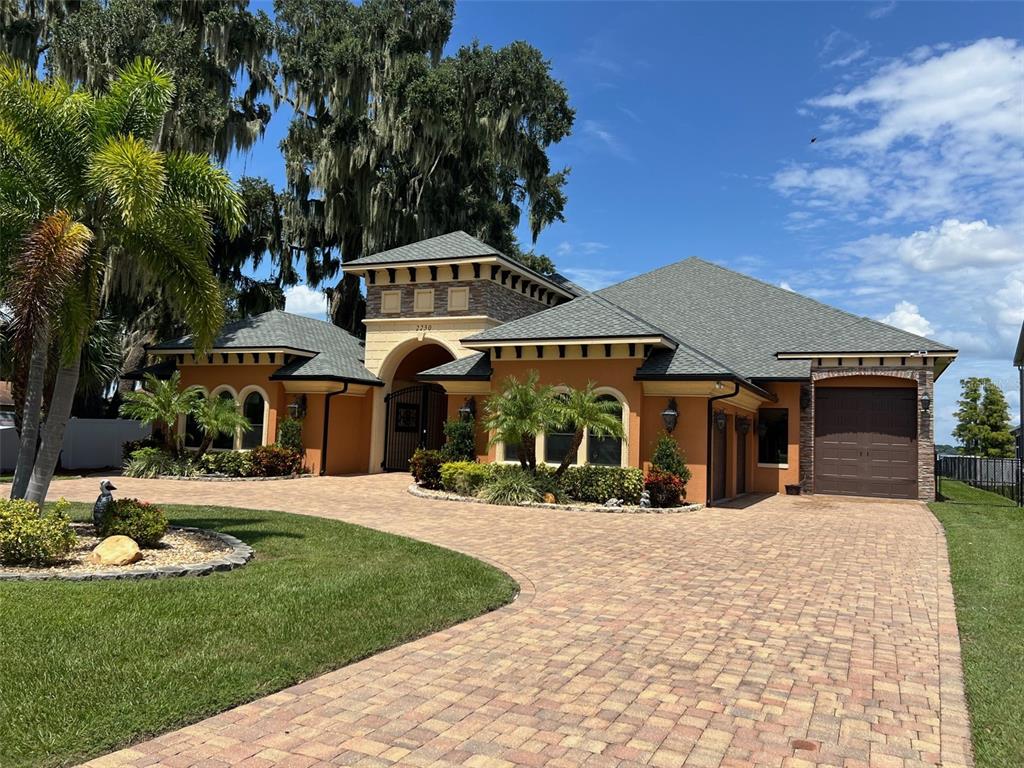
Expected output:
(415, 419)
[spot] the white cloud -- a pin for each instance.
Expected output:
(956, 243)
(843, 184)
(584, 248)
(881, 11)
(598, 134)
(840, 49)
(303, 300)
(936, 133)
(907, 317)
(785, 286)
(594, 279)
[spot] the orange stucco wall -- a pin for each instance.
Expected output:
(349, 439)
(209, 377)
(775, 479)
(617, 374)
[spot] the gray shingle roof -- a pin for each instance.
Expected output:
(743, 322)
(476, 366)
(338, 354)
(455, 245)
(586, 317)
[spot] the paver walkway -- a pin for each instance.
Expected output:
(795, 631)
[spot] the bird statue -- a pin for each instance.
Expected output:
(99, 509)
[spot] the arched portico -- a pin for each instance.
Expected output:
(408, 412)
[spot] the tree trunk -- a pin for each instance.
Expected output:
(203, 446)
(53, 430)
(348, 307)
(577, 440)
(31, 412)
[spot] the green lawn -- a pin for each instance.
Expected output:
(89, 667)
(986, 550)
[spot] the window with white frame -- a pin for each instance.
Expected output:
(225, 441)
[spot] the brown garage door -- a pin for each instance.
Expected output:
(865, 442)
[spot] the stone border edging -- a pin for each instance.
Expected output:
(425, 493)
(240, 554)
(224, 478)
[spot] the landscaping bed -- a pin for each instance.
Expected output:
(181, 552)
(633, 509)
(86, 668)
(985, 535)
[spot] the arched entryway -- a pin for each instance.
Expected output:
(414, 412)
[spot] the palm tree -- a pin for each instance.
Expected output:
(217, 416)
(162, 404)
(518, 413)
(81, 168)
(582, 410)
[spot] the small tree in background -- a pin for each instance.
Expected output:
(983, 419)
(583, 409)
(217, 416)
(518, 413)
(289, 434)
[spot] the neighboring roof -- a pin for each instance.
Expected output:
(743, 323)
(473, 368)
(337, 355)
(589, 316)
(162, 370)
(456, 245)
(1018, 357)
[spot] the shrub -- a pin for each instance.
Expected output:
(131, 446)
(425, 467)
(289, 434)
(464, 477)
(152, 462)
(597, 484)
(459, 440)
(28, 537)
(665, 489)
(139, 520)
(274, 461)
(667, 458)
(230, 463)
(512, 487)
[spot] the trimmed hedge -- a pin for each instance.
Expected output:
(425, 467)
(139, 520)
(274, 461)
(665, 489)
(465, 478)
(597, 484)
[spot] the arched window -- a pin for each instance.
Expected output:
(193, 434)
(557, 444)
(253, 409)
(226, 442)
(606, 451)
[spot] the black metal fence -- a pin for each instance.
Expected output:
(1002, 476)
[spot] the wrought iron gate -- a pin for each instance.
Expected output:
(415, 419)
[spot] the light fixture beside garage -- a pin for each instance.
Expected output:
(926, 402)
(720, 420)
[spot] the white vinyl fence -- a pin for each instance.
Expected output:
(88, 443)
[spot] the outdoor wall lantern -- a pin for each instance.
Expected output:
(720, 420)
(743, 425)
(297, 407)
(468, 409)
(926, 403)
(670, 416)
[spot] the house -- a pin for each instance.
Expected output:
(760, 386)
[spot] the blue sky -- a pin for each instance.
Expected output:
(693, 137)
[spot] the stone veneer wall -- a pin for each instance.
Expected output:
(925, 379)
(485, 298)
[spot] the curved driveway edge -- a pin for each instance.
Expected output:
(794, 631)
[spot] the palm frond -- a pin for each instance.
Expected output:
(131, 174)
(136, 101)
(192, 177)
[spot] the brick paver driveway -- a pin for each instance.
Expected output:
(795, 631)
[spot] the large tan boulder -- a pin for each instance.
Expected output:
(115, 550)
